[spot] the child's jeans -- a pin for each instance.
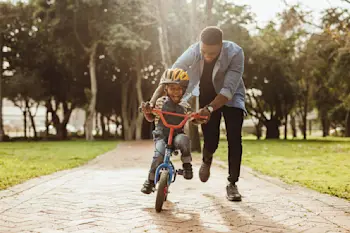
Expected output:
(181, 142)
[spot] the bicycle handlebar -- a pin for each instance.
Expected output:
(161, 114)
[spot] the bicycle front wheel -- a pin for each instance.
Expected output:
(162, 191)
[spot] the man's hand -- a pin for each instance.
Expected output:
(146, 107)
(204, 112)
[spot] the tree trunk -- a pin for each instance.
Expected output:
(325, 124)
(304, 125)
(124, 110)
(286, 127)
(32, 120)
(92, 106)
(97, 127)
(138, 86)
(25, 122)
(305, 110)
(194, 21)
(258, 129)
(47, 124)
(108, 126)
(103, 126)
(128, 134)
(62, 133)
(2, 133)
(347, 124)
(122, 131)
(61, 127)
(193, 131)
(310, 127)
(293, 125)
(163, 33)
(209, 6)
(272, 130)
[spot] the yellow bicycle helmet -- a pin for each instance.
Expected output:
(175, 76)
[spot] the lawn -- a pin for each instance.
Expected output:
(322, 165)
(20, 161)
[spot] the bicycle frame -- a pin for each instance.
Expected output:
(166, 163)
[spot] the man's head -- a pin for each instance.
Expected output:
(211, 43)
(176, 81)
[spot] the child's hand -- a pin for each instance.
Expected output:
(146, 107)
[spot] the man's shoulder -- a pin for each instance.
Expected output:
(231, 46)
(194, 49)
(195, 46)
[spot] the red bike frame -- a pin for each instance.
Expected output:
(161, 114)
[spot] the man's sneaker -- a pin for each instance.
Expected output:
(188, 173)
(232, 193)
(204, 171)
(148, 187)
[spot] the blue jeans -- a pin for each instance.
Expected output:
(181, 142)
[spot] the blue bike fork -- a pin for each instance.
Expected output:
(166, 165)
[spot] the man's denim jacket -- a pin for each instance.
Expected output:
(227, 73)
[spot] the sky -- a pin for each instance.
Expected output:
(266, 10)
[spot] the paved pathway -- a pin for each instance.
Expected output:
(104, 196)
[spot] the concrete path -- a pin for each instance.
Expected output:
(104, 196)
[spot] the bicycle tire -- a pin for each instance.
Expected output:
(162, 190)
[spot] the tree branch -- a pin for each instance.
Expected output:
(260, 116)
(147, 24)
(261, 110)
(75, 27)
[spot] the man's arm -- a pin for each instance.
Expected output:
(185, 60)
(219, 101)
(157, 94)
(233, 77)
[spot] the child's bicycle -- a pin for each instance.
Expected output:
(165, 172)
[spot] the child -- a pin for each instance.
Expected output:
(176, 81)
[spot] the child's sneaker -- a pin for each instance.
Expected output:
(188, 173)
(148, 187)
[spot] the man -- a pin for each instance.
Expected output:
(217, 67)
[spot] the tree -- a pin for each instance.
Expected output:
(25, 91)
(24, 88)
(337, 23)
(7, 14)
(269, 78)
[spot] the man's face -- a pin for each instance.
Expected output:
(210, 52)
(175, 92)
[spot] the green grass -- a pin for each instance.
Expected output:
(20, 161)
(322, 165)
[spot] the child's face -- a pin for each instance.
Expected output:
(175, 92)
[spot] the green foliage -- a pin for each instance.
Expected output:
(287, 69)
(22, 161)
(322, 165)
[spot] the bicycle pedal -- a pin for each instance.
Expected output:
(180, 172)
